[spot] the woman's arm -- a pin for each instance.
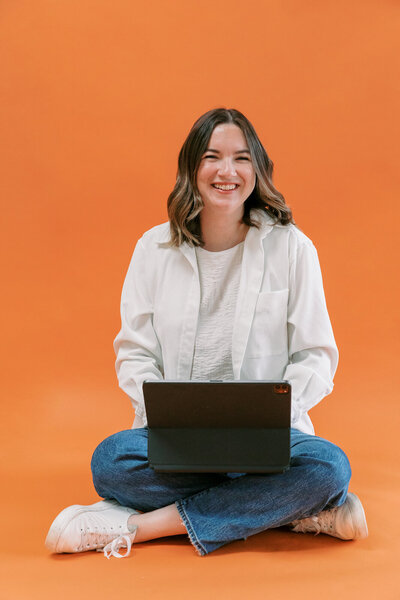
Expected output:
(136, 345)
(313, 355)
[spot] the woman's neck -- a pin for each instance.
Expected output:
(221, 232)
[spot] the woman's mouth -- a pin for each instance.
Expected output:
(225, 187)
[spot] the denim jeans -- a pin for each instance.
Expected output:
(218, 508)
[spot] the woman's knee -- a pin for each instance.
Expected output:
(121, 452)
(329, 463)
(338, 467)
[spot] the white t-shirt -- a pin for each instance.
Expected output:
(219, 284)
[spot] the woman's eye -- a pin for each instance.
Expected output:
(239, 157)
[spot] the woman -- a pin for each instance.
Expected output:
(228, 289)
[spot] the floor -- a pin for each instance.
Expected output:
(50, 470)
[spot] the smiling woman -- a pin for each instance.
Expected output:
(222, 147)
(225, 179)
(229, 288)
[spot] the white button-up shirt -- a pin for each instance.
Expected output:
(281, 328)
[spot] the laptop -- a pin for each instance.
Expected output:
(218, 426)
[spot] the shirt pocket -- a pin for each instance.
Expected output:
(268, 333)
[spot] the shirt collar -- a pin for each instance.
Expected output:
(265, 221)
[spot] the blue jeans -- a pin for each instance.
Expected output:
(218, 508)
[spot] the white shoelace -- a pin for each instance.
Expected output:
(123, 541)
(324, 522)
(309, 525)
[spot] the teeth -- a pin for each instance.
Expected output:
(225, 187)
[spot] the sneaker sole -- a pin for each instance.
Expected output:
(65, 517)
(358, 516)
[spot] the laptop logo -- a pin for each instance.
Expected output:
(281, 388)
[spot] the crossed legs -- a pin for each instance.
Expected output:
(215, 509)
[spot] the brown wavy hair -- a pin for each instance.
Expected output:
(185, 203)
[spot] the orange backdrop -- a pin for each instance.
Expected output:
(97, 98)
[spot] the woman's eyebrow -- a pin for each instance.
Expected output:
(237, 152)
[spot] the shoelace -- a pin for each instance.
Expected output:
(315, 524)
(308, 525)
(123, 541)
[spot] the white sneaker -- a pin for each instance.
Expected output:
(346, 522)
(101, 526)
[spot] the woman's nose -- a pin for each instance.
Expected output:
(227, 167)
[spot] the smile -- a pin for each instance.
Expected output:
(228, 187)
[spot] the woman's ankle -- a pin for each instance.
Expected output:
(157, 523)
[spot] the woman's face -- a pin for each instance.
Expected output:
(226, 176)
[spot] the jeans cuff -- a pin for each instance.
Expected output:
(192, 536)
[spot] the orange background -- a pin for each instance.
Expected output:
(97, 98)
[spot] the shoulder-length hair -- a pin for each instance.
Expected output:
(185, 203)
